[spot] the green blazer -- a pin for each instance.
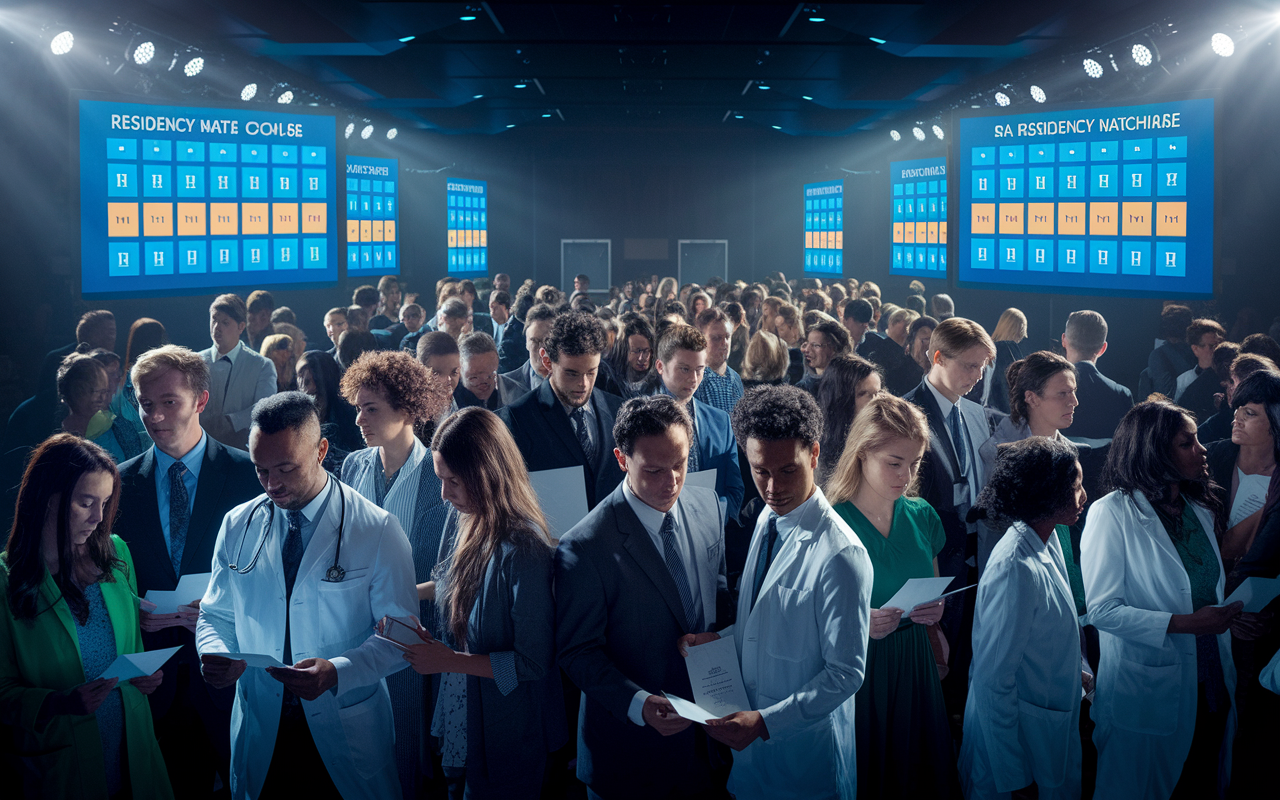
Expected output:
(63, 759)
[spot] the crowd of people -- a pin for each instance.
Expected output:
(388, 612)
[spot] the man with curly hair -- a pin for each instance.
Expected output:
(566, 421)
(804, 615)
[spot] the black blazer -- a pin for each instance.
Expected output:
(617, 621)
(1103, 403)
(1198, 396)
(512, 352)
(546, 439)
(1007, 352)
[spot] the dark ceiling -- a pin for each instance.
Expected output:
(602, 65)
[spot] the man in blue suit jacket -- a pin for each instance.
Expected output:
(566, 421)
(681, 363)
(1103, 402)
(645, 568)
(193, 722)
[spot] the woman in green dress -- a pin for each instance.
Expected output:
(904, 746)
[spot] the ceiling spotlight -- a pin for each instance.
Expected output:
(919, 134)
(805, 97)
(249, 92)
(1037, 94)
(468, 17)
(407, 39)
(511, 125)
(143, 53)
(521, 85)
(1002, 99)
(1221, 43)
(776, 127)
(193, 67)
(877, 41)
(1142, 55)
(62, 43)
(366, 131)
(763, 86)
(546, 116)
(286, 98)
(894, 135)
(937, 131)
(476, 96)
(351, 128)
(1092, 68)
(737, 116)
(817, 19)
(391, 134)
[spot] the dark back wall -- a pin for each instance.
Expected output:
(553, 181)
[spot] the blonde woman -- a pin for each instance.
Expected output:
(766, 360)
(1008, 336)
(904, 746)
(499, 709)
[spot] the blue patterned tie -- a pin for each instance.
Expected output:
(765, 560)
(291, 551)
(695, 457)
(179, 514)
(693, 618)
(958, 439)
(579, 416)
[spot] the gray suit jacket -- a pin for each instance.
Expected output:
(230, 408)
(618, 615)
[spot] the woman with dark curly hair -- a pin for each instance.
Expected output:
(68, 608)
(1021, 720)
(392, 393)
(1155, 584)
(904, 746)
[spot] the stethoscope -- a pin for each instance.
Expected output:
(335, 573)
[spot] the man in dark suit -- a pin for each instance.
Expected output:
(1103, 402)
(567, 421)
(96, 328)
(503, 327)
(172, 501)
(335, 324)
(643, 569)
(530, 372)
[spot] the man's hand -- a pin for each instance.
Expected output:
(884, 621)
(660, 715)
(308, 679)
(739, 729)
(1248, 627)
(148, 683)
(693, 640)
(189, 615)
(220, 671)
(158, 622)
(928, 614)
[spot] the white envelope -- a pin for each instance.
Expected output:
(562, 493)
(139, 665)
(917, 591)
(190, 587)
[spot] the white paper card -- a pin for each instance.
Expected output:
(716, 678)
(562, 493)
(689, 710)
(139, 665)
(190, 587)
(917, 591)
(252, 659)
(1255, 593)
(705, 478)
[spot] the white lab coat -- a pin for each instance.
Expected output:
(245, 613)
(1146, 697)
(1022, 718)
(803, 650)
(1270, 677)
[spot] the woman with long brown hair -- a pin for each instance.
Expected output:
(498, 708)
(68, 608)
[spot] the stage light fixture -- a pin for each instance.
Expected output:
(193, 67)
(919, 134)
(285, 98)
(351, 128)
(805, 97)
(249, 92)
(1142, 55)
(1221, 43)
(1037, 94)
(877, 41)
(511, 125)
(776, 127)
(1002, 99)
(894, 135)
(407, 39)
(521, 85)
(366, 131)
(392, 133)
(737, 116)
(1092, 68)
(476, 96)
(546, 116)
(143, 53)
(937, 131)
(468, 17)
(62, 43)
(763, 86)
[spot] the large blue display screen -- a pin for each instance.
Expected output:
(1115, 200)
(373, 212)
(468, 225)
(919, 197)
(180, 200)
(824, 228)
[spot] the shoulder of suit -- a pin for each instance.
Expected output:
(133, 466)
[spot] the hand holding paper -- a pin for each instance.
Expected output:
(917, 591)
(190, 587)
(716, 678)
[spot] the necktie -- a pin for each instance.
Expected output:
(579, 416)
(677, 569)
(766, 558)
(958, 439)
(179, 514)
(695, 459)
(292, 550)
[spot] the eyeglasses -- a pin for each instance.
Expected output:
(482, 378)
